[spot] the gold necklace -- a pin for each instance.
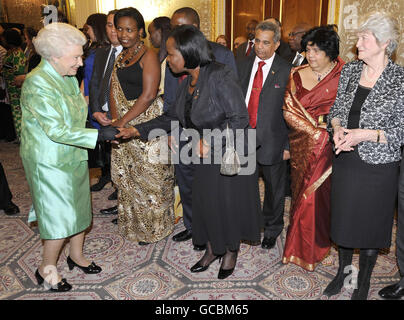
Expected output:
(324, 74)
(120, 64)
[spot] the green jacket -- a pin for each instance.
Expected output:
(54, 114)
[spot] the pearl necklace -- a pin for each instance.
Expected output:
(324, 74)
(122, 64)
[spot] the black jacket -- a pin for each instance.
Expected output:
(218, 101)
(100, 61)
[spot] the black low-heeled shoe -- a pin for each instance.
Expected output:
(91, 269)
(61, 286)
(200, 268)
(143, 243)
(223, 273)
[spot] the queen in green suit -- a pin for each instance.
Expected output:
(53, 150)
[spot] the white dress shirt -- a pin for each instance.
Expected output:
(248, 43)
(265, 71)
(118, 51)
(297, 61)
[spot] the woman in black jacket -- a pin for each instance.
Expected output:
(225, 208)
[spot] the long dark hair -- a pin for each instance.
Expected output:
(98, 22)
(163, 24)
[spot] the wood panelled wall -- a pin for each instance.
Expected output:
(289, 12)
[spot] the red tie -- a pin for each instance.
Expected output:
(250, 45)
(255, 95)
(182, 78)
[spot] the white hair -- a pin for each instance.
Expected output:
(55, 38)
(384, 28)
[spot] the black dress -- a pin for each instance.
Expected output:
(225, 210)
(362, 195)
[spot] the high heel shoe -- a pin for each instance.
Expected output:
(198, 267)
(91, 269)
(61, 286)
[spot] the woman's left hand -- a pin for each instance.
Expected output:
(127, 133)
(352, 137)
(203, 149)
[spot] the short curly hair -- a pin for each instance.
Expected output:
(325, 38)
(53, 39)
(384, 27)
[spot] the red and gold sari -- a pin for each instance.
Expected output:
(307, 240)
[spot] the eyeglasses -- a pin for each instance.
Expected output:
(293, 34)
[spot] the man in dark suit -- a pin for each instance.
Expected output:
(396, 291)
(283, 50)
(246, 49)
(263, 78)
(99, 96)
(185, 172)
(295, 38)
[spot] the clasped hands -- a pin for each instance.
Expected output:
(346, 139)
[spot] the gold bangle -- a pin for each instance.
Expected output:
(114, 120)
(321, 119)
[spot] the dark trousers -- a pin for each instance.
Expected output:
(185, 177)
(400, 223)
(7, 130)
(5, 193)
(274, 201)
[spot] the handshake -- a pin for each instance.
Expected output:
(107, 133)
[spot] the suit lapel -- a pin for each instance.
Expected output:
(247, 74)
(271, 74)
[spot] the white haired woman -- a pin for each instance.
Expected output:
(53, 152)
(367, 122)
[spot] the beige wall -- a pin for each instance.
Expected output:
(351, 10)
(151, 9)
(27, 12)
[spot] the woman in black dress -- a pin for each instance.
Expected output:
(367, 121)
(225, 208)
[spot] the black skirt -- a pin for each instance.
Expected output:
(225, 210)
(362, 201)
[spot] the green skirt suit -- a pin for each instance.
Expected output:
(53, 151)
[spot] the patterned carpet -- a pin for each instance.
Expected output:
(158, 271)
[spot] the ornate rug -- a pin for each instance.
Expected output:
(159, 271)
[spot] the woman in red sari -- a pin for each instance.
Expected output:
(310, 94)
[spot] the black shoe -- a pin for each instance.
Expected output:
(112, 210)
(183, 236)
(393, 292)
(344, 260)
(223, 274)
(366, 265)
(61, 286)
(198, 267)
(91, 269)
(115, 221)
(113, 195)
(100, 184)
(143, 243)
(11, 209)
(199, 248)
(268, 243)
